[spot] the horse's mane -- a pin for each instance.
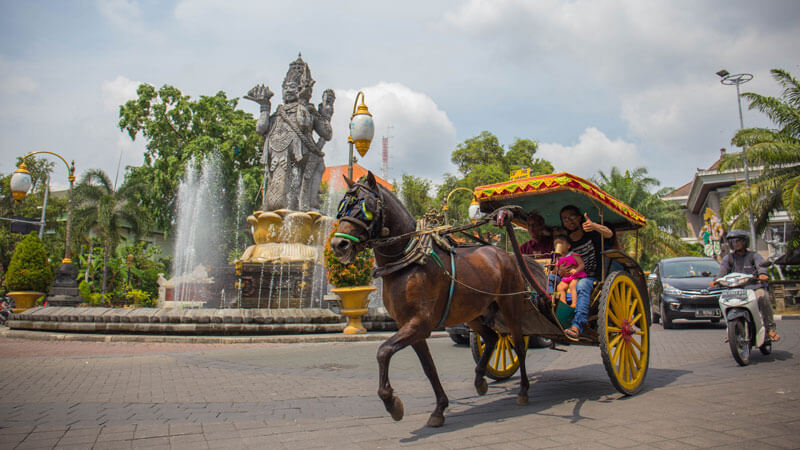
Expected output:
(396, 206)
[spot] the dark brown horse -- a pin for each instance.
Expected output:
(421, 296)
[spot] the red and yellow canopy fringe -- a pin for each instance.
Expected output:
(552, 183)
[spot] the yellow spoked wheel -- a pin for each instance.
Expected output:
(504, 361)
(624, 333)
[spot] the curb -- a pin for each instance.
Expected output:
(787, 316)
(272, 339)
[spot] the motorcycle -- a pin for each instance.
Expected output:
(6, 306)
(740, 308)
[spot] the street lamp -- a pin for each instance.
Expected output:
(446, 206)
(65, 288)
(362, 129)
(736, 79)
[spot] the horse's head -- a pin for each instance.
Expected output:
(360, 216)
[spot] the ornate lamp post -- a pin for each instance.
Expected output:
(65, 287)
(447, 202)
(736, 80)
(362, 129)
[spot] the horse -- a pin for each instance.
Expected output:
(424, 290)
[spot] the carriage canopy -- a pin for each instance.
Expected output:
(547, 194)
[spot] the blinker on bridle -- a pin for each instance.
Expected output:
(351, 203)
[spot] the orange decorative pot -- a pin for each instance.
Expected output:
(354, 301)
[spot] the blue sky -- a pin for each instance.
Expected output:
(597, 83)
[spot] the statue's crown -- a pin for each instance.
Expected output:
(300, 74)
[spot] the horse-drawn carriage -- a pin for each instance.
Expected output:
(619, 308)
(429, 282)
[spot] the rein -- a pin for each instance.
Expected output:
(421, 244)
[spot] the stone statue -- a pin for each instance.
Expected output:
(293, 161)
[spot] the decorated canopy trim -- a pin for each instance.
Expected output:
(555, 182)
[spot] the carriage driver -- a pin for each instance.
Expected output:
(585, 238)
(541, 243)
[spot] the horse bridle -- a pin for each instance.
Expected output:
(372, 223)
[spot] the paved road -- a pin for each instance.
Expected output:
(129, 395)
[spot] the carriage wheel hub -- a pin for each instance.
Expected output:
(627, 330)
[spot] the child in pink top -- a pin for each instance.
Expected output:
(570, 268)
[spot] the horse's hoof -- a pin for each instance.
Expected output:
(435, 421)
(522, 400)
(482, 387)
(397, 409)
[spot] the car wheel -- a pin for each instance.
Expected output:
(539, 342)
(459, 339)
(666, 320)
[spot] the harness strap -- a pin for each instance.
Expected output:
(452, 283)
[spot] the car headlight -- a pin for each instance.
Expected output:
(669, 290)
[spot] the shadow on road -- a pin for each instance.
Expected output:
(548, 388)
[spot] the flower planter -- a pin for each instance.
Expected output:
(354, 301)
(24, 299)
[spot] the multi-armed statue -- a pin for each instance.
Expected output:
(289, 226)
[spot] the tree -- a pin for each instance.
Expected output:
(777, 151)
(482, 160)
(30, 267)
(658, 239)
(414, 193)
(105, 211)
(179, 129)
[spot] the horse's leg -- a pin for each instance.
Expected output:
(408, 334)
(490, 338)
(424, 353)
(511, 312)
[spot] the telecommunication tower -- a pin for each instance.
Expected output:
(385, 153)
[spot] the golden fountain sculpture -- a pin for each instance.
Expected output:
(283, 236)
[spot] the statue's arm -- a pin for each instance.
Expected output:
(322, 123)
(263, 123)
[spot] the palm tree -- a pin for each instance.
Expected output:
(105, 211)
(776, 150)
(658, 238)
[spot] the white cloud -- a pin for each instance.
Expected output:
(422, 137)
(118, 91)
(17, 84)
(126, 16)
(14, 80)
(594, 151)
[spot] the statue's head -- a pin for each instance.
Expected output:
(300, 75)
(290, 91)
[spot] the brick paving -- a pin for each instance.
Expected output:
(74, 394)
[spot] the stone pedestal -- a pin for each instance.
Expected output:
(64, 291)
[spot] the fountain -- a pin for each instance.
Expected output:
(278, 284)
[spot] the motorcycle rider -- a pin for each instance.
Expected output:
(741, 260)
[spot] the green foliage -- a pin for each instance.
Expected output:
(85, 290)
(30, 268)
(104, 211)
(31, 207)
(414, 194)
(358, 273)
(777, 151)
(482, 160)
(659, 238)
(177, 129)
(98, 299)
(139, 297)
